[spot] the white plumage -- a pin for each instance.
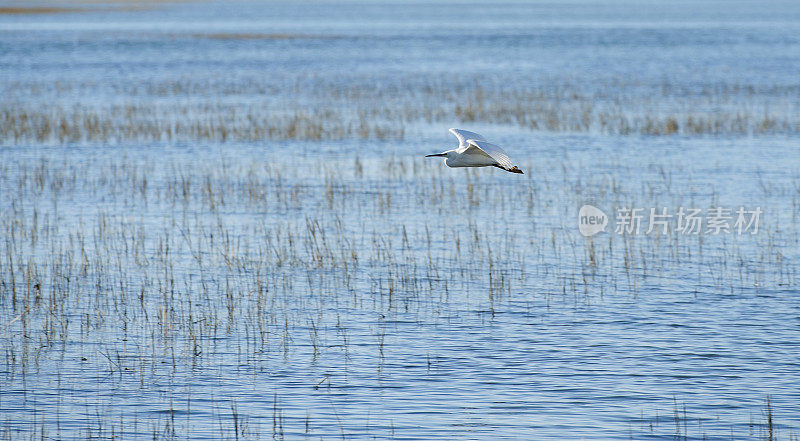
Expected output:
(475, 151)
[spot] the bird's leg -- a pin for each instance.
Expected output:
(513, 170)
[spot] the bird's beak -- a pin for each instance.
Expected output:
(435, 155)
(516, 170)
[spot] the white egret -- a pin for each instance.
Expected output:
(474, 151)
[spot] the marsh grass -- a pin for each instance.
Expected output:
(73, 8)
(240, 292)
(320, 108)
(145, 271)
(686, 424)
(37, 10)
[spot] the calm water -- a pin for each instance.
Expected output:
(196, 287)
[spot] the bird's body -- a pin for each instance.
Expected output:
(474, 151)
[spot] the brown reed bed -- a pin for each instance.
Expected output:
(315, 109)
(71, 8)
(17, 10)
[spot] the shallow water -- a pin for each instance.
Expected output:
(349, 287)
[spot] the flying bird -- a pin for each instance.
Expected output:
(474, 151)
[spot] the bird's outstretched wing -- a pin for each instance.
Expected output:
(492, 150)
(464, 136)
